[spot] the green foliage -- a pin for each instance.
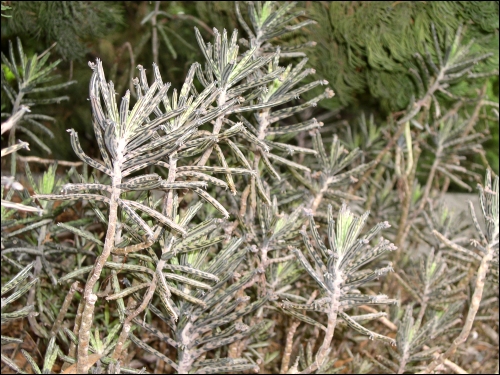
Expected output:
(70, 24)
(220, 228)
(374, 54)
(30, 75)
(340, 275)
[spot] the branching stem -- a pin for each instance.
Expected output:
(83, 364)
(330, 329)
(474, 306)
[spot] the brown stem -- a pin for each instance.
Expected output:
(221, 100)
(83, 363)
(423, 201)
(475, 115)
(285, 361)
(36, 159)
(474, 306)
(319, 196)
(378, 159)
(197, 20)
(90, 298)
(430, 180)
(76, 328)
(253, 186)
(117, 352)
(330, 329)
(408, 189)
(234, 348)
(64, 308)
(154, 39)
(424, 102)
(289, 338)
(452, 366)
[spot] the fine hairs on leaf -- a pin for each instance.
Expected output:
(229, 224)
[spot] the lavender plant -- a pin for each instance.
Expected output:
(216, 233)
(337, 272)
(30, 75)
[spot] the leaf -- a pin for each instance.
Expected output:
(304, 318)
(82, 233)
(167, 41)
(17, 279)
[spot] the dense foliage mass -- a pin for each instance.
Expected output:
(221, 227)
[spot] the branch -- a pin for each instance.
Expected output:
(474, 306)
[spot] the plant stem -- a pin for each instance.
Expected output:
(475, 115)
(404, 359)
(332, 322)
(319, 196)
(285, 361)
(289, 338)
(408, 189)
(221, 100)
(64, 308)
(154, 38)
(474, 306)
(430, 179)
(378, 159)
(83, 364)
(12, 134)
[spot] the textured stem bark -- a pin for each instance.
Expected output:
(12, 134)
(474, 307)
(408, 187)
(90, 298)
(154, 38)
(285, 362)
(330, 329)
(221, 100)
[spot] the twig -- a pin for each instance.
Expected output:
(408, 180)
(21, 207)
(452, 366)
(282, 259)
(36, 159)
(197, 20)
(72, 290)
(12, 120)
(154, 39)
(128, 46)
(90, 298)
(378, 159)
(455, 246)
(475, 115)
(285, 362)
(330, 329)
(474, 306)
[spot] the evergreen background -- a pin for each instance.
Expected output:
(364, 49)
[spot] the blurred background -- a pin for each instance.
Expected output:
(364, 50)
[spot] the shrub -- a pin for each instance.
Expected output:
(216, 222)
